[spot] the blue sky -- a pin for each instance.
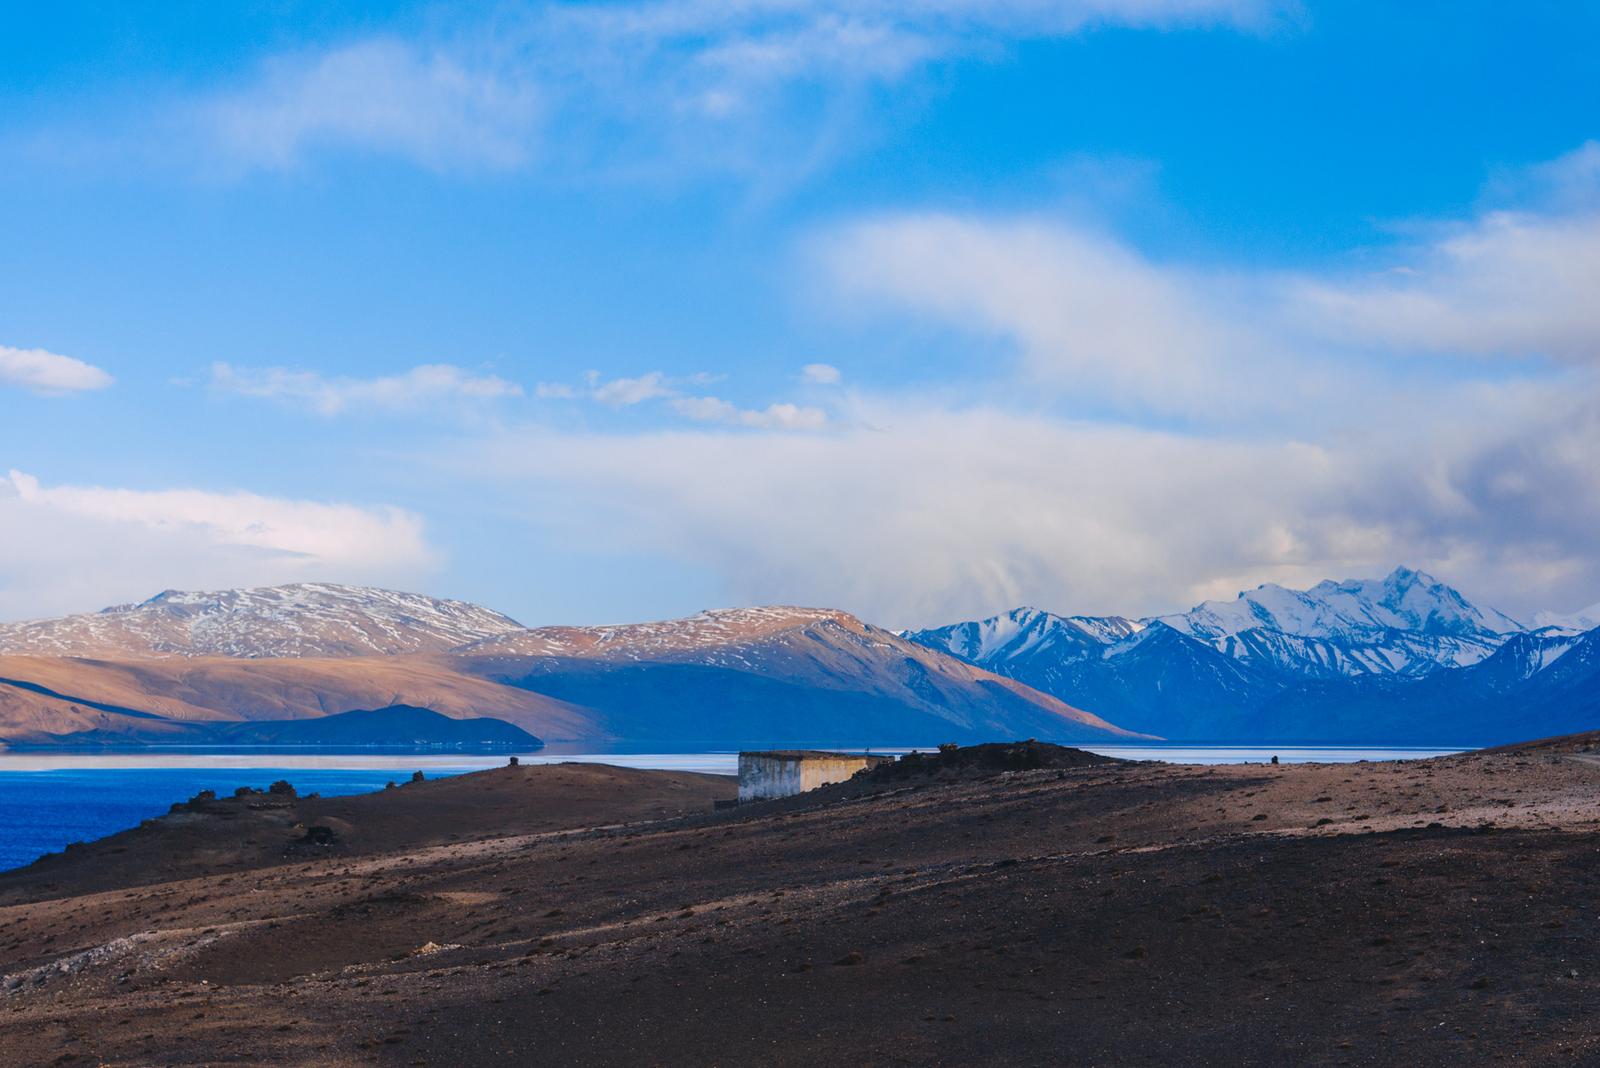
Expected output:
(919, 309)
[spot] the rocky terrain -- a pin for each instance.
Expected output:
(1093, 912)
(301, 620)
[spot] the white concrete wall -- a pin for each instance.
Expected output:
(762, 775)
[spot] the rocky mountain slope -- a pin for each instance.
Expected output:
(304, 620)
(1403, 658)
(771, 675)
(756, 676)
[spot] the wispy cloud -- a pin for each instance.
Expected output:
(1083, 311)
(445, 111)
(820, 374)
(421, 386)
(679, 395)
(75, 547)
(624, 87)
(774, 416)
(1508, 283)
(49, 373)
(1093, 319)
(626, 392)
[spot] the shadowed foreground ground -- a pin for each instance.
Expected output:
(1434, 912)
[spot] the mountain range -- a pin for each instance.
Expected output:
(1404, 659)
(148, 673)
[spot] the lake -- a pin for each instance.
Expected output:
(52, 798)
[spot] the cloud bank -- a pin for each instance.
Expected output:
(1153, 434)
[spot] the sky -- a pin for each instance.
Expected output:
(922, 309)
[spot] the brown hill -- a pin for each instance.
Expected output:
(758, 676)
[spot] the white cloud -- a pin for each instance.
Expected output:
(421, 386)
(913, 513)
(820, 374)
(47, 372)
(657, 386)
(626, 392)
(72, 548)
(1518, 279)
(774, 416)
(1086, 313)
(1094, 319)
(1507, 283)
(445, 111)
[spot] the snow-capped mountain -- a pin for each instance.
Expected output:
(1027, 633)
(759, 676)
(1406, 624)
(1538, 684)
(713, 633)
(1574, 622)
(303, 620)
(1341, 660)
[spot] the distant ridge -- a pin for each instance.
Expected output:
(394, 727)
(1406, 658)
(743, 676)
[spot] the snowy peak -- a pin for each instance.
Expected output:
(1572, 622)
(1406, 600)
(1408, 623)
(1024, 633)
(1525, 655)
(1412, 600)
(300, 620)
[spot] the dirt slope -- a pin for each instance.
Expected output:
(1419, 913)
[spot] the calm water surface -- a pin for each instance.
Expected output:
(50, 799)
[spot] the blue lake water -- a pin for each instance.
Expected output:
(50, 799)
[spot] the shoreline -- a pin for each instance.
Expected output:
(1132, 912)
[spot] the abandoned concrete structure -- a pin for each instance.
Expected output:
(782, 772)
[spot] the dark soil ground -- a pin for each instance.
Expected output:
(1431, 912)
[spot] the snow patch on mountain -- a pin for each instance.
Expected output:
(1408, 623)
(1026, 632)
(714, 630)
(300, 620)
(1406, 600)
(1574, 622)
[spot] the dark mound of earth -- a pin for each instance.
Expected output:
(987, 759)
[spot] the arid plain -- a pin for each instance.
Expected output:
(1095, 912)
